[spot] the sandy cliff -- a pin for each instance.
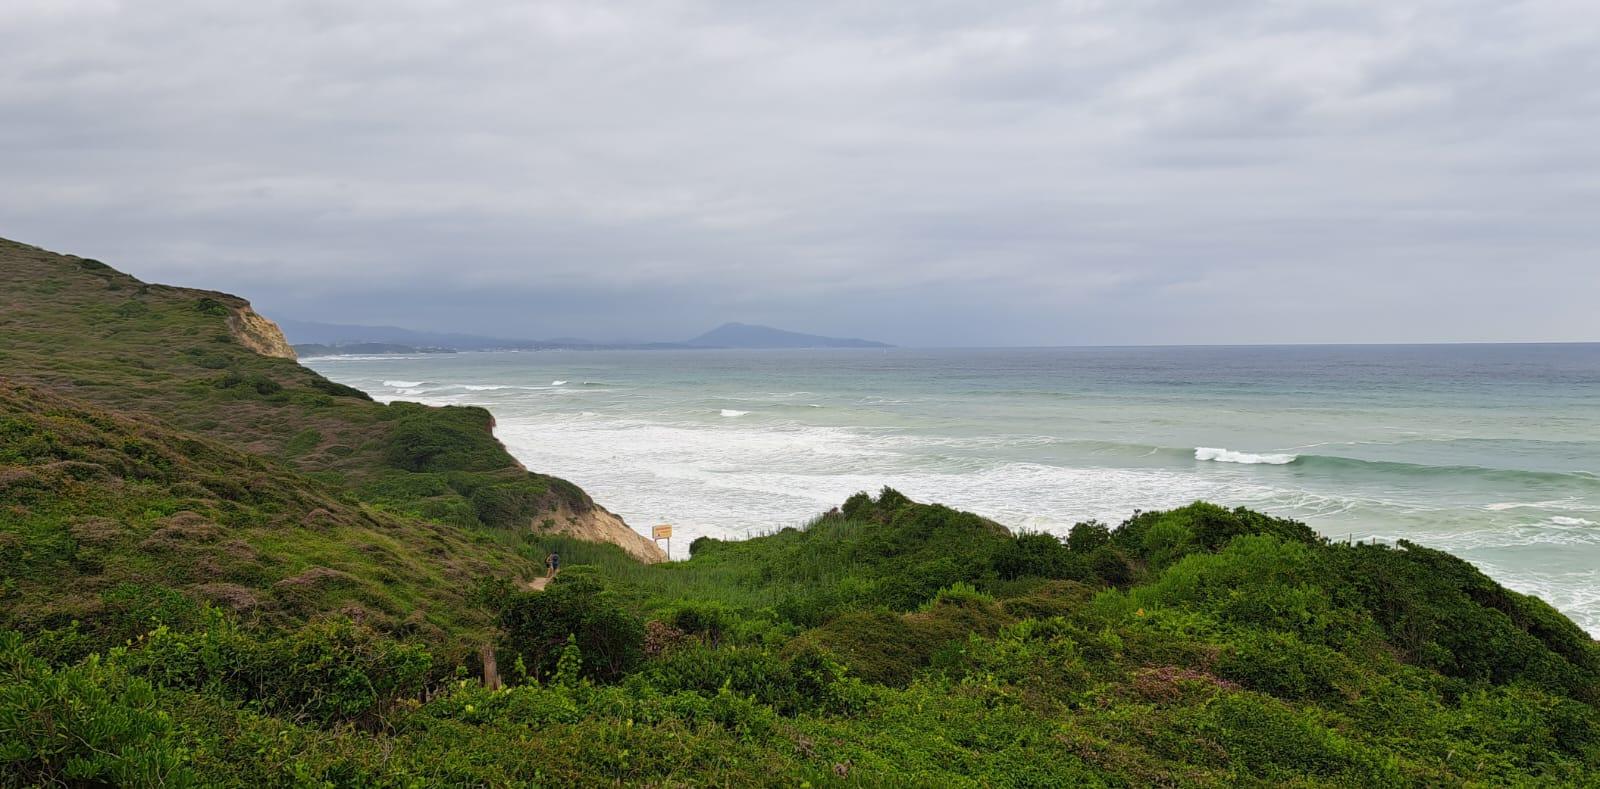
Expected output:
(258, 334)
(600, 525)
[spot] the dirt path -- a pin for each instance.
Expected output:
(538, 584)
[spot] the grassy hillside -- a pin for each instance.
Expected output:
(110, 519)
(189, 358)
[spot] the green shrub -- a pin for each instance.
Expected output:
(338, 390)
(708, 620)
(1088, 536)
(87, 724)
(1040, 555)
(1285, 666)
(210, 306)
(453, 438)
(537, 626)
(324, 672)
(510, 504)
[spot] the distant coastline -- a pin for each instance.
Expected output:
(328, 339)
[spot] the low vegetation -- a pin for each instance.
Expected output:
(888, 643)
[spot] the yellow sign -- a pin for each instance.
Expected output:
(662, 532)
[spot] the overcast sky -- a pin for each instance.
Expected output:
(920, 172)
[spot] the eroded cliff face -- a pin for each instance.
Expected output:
(598, 524)
(258, 334)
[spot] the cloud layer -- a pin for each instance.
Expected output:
(925, 173)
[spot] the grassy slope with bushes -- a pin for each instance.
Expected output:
(891, 643)
(79, 328)
(219, 569)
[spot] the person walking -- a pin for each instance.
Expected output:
(552, 563)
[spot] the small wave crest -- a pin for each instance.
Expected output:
(729, 412)
(1221, 455)
(1562, 520)
(403, 384)
(558, 383)
(1552, 504)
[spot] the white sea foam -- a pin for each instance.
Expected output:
(558, 383)
(1230, 456)
(729, 412)
(1552, 504)
(1562, 520)
(402, 384)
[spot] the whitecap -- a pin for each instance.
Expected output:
(1553, 504)
(729, 412)
(403, 384)
(558, 383)
(1231, 456)
(1562, 520)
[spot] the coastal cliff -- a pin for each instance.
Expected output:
(181, 365)
(258, 334)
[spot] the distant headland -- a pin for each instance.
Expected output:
(324, 339)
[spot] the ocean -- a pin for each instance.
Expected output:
(1490, 452)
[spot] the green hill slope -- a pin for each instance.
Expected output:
(110, 518)
(204, 362)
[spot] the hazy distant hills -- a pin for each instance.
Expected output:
(338, 334)
(744, 335)
(315, 339)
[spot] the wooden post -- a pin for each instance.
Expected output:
(491, 672)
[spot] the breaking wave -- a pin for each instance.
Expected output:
(1231, 456)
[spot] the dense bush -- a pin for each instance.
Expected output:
(509, 504)
(322, 673)
(337, 389)
(84, 724)
(538, 625)
(454, 438)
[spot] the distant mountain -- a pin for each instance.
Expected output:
(325, 338)
(744, 335)
(336, 334)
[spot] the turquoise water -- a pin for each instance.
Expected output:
(1490, 452)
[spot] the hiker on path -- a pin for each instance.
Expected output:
(552, 563)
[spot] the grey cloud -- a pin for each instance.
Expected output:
(924, 173)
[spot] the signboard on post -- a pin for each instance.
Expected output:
(663, 532)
